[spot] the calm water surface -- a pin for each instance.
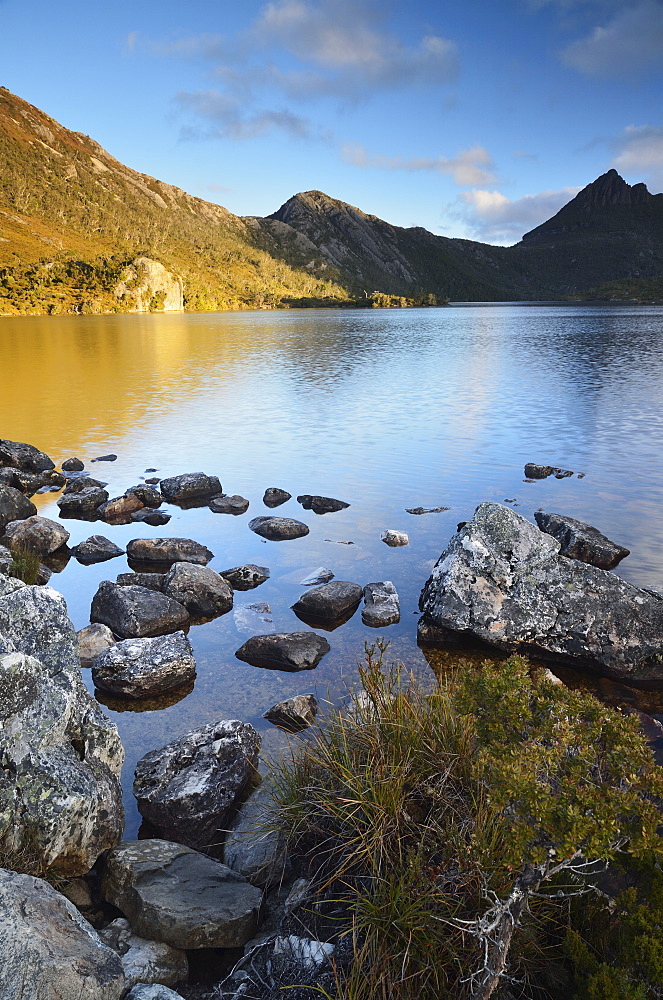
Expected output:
(383, 409)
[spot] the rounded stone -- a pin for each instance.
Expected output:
(278, 529)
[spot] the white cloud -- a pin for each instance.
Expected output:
(493, 218)
(225, 115)
(469, 166)
(630, 42)
(640, 154)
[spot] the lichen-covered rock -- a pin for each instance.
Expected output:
(14, 506)
(293, 714)
(329, 603)
(96, 548)
(174, 894)
(381, 605)
(144, 668)
(143, 961)
(82, 504)
(190, 486)
(204, 593)
(503, 581)
(136, 612)
(168, 551)
(61, 755)
(39, 534)
(24, 456)
(48, 951)
(581, 541)
(92, 640)
(284, 651)
(188, 788)
(278, 529)
(245, 577)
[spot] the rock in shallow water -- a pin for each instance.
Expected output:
(135, 612)
(96, 549)
(168, 551)
(581, 541)
(188, 788)
(82, 504)
(321, 505)
(229, 505)
(171, 893)
(329, 603)
(14, 506)
(278, 529)
(381, 605)
(245, 577)
(48, 951)
(394, 538)
(284, 651)
(294, 714)
(145, 668)
(503, 581)
(92, 640)
(24, 456)
(274, 497)
(204, 593)
(189, 486)
(39, 534)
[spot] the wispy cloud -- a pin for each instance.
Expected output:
(302, 51)
(469, 166)
(493, 218)
(639, 153)
(627, 42)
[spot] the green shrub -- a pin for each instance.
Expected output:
(25, 564)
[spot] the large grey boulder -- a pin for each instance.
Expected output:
(381, 605)
(135, 612)
(83, 504)
(171, 893)
(203, 592)
(144, 668)
(24, 456)
(48, 951)
(581, 541)
(329, 603)
(245, 577)
(190, 486)
(254, 845)
(143, 961)
(39, 534)
(168, 551)
(188, 788)
(61, 756)
(14, 506)
(96, 548)
(278, 529)
(503, 581)
(284, 651)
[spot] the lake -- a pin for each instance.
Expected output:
(384, 409)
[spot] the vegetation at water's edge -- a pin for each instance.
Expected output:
(454, 827)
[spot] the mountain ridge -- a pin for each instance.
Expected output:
(73, 218)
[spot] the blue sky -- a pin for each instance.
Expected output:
(476, 119)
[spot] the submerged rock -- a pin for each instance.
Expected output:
(168, 550)
(381, 605)
(135, 612)
(105, 458)
(171, 893)
(321, 505)
(426, 510)
(253, 619)
(329, 603)
(96, 549)
(48, 951)
(284, 651)
(278, 529)
(274, 497)
(24, 456)
(144, 668)
(39, 534)
(581, 541)
(503, 581)
(188, 788)
(534, 471)
(245, 577)
(200, 589)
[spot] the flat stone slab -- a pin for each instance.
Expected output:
(284, 651)
(381, 605)
(278, 529)
(171, 893)
(189, 788)
(581, 541)
(330, 602)
(168, 551)
(135, 612)
(144, 668)
(245, 577)
(503, 581)
(321, 505)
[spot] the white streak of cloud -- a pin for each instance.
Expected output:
(469, 166)
(493, 218)
(226, 116)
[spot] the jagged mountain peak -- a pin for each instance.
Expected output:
(611, 189)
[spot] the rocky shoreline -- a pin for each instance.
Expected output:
(85, 913)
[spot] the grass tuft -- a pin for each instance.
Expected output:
(25, 564)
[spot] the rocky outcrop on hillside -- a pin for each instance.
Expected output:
(146, 286)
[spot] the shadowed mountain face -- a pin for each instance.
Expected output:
(72, 218)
